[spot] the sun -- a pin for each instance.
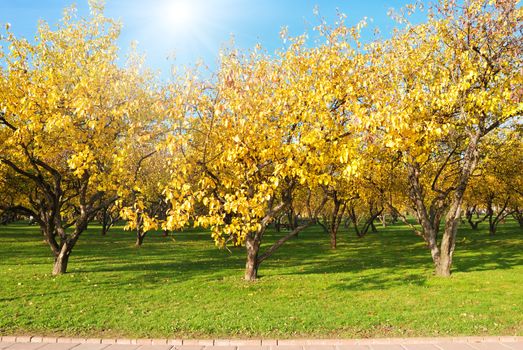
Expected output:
(181, 15)
(184, 30)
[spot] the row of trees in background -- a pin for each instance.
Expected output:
(427, 122)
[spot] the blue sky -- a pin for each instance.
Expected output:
(193, 29)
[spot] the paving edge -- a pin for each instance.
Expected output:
(259, 342)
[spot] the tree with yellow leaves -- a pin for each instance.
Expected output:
(68, 115)
(261, 139)
(145, 207)
(440, 88)
(496, 188)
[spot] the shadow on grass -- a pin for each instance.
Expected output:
(392, 256)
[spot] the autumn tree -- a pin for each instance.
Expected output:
(441, 87)
(107, 217)
(145, 207)
(260, 139)
(68, 112)
(495, 189)
(361, 197)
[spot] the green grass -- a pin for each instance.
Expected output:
(382, 285)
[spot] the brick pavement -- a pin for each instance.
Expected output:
(464, 343)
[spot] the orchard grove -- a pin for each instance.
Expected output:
(423, 127)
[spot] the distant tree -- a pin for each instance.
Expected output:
(496, 189)
(145, 207)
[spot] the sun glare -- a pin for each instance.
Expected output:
(184, 29)
(181, 15)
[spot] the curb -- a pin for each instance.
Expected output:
(260, 342)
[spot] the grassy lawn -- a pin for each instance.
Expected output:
(182, 286)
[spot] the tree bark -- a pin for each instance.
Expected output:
(252, 245)
(448, 241)
(62, 259)
(254, 239)
(140, 235)
(473, 224)
(335, 222)
(354, 218)
(277, 224)
(383, 220)
(369, 222)
(495, 220)
(469, 214)
(444, 265)
(105, 222)
(139, 238)
(108, 219)
(518, 215)
(394, 217)
(333, 239)
(492, 226)
(291, 217)
(337, 218)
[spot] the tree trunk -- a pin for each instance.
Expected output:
(383, 219)
(346, 222)
(140, 235)
(369, 223)
(518, 215)
(394, 217)
(448, 241)
(335, 221)
(444, 265)
(469, 214)
(492, 222)
(500, 217)
(139, 238)
(492, 228)
(443, 257)
(291, 217)
(333, 238)
(277, 224)
(251, 267)
(353, 217)
(61, 260)
(105, 222)
(446, 251)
